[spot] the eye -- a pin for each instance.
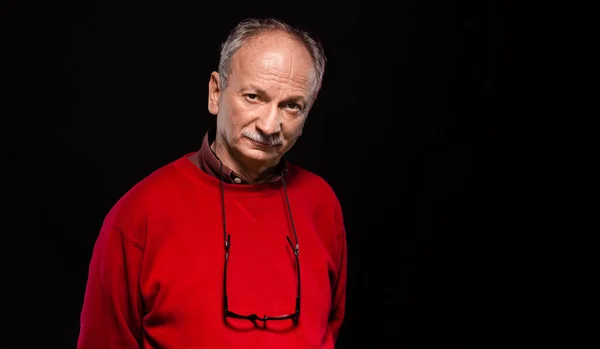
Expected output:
(252, 96)
(294, 106)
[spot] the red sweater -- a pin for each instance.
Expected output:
(156, 273)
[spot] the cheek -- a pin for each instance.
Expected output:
(240, 114)
(232, 116)
(293, 130)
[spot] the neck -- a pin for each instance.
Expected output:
(252, 172)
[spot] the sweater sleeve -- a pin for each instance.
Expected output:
(339, 291)
(111, 313)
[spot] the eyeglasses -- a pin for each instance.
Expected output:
(253, 317)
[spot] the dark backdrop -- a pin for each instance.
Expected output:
(419, 128)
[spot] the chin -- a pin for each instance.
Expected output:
(259, 155)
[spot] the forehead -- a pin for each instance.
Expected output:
(274, 58)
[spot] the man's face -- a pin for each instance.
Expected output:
(262, 110)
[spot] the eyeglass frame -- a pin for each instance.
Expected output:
(253, 317)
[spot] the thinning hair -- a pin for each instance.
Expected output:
(252, 27)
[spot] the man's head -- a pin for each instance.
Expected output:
(269, 77)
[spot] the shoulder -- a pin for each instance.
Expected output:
(153, 186)
(313, 186)
(131, 211)
(306, 179)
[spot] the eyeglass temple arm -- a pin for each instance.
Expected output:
(296, 251)
(227, 246)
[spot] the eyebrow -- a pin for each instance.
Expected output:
(295, 98)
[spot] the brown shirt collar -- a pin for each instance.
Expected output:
(210, 163)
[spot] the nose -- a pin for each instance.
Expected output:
(269, 123)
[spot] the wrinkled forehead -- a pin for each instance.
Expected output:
(276, 57)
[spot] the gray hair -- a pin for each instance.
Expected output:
(252, 27)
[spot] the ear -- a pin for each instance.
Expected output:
(213, 93)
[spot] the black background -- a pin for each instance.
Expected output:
(421, 128)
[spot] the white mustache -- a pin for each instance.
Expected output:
(275, 140)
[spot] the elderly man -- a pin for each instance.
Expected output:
(230, 246)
